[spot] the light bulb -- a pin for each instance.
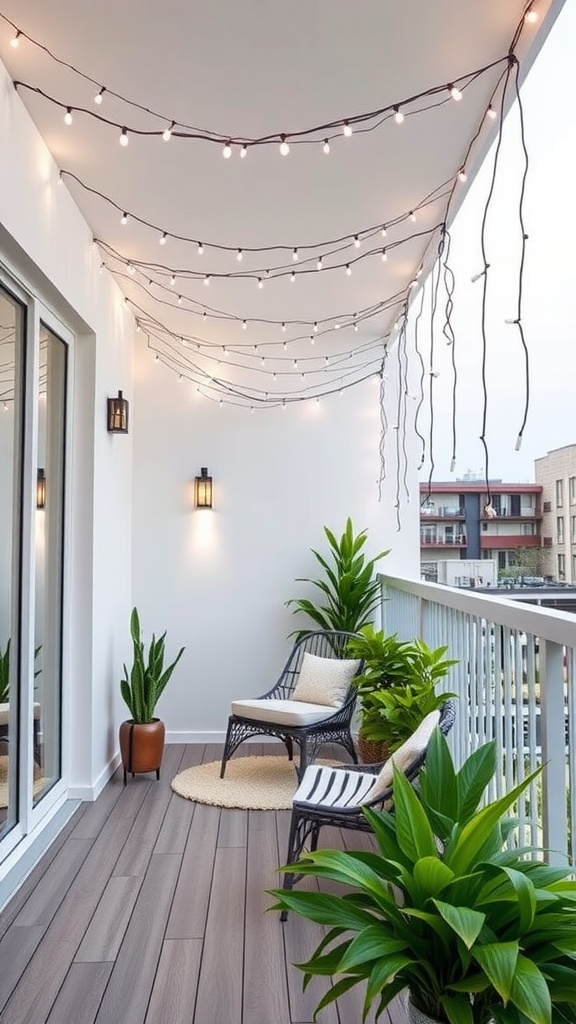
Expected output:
(172, 281)
(295, 364)
(398, 115)
(284, 147)
(99, 95)
(227, 151)
(491, 113)
(326, 361)
(355, 326)
(243, 151)
(263, 361)
(180, 378)
(383, 231)
(292, 277)
(207, 280)
(284, 346)
(131, 270)
(244, 325)
(124, 137)
(454, 92)
(531, 15)
(260, 282)
(319, 264)
(239, 255)
(336, 327)
(326, 147)
(462, 176)
(163, 238)
(284, 327)
(179, 300)
(167, 133)
(346, 129)
(384, 255)
(68, 116)
(295, 254)
(412, 216)
(348, 270)
(200, 249)
(15, 41)
(356, 241)
(204, 315)
(60, 178)
(315, 327)
(156, 358)
(124, 218)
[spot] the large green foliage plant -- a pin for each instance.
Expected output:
(348, 591)
(476, 930)
(143, 686)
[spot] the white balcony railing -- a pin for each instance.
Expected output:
(516, 683)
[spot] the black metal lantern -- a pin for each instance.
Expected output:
(117, 420)
(41, 489)
(203, 489)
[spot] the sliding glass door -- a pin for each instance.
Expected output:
(33, 416)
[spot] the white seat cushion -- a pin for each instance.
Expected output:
(281, 712)
(336, 788)
(5, 712)
(413, 747)
(324, 680)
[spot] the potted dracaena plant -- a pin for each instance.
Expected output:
(348, 592)
(396, 689)
(475, 929)
(142, 736)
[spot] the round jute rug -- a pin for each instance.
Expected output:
(255, 783)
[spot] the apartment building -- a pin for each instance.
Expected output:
(458, 521)
(556, 474)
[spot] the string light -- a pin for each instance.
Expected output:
(207, 280)
(462, 176)
(124, 219)
(244, 325)
(124, 137)
(239, 255)
(99, 96)
(260, 282)
(531, 16)
(319, 263)
(15, 41)
(243, 151)
(172, 281)
(383, 231)
(346, 129)
(384, 255)
(167, 133)
(491, 113)
(284, 327)
(227, 151)
(295, 254)
(292, 277)
(68, 116)
(200, 249)
(454, 91)
(284, 147)
(357, 242)
(163, 238)
(179, 300)
(326, 147)
(348, 269)
(412, 216)
(398, 115)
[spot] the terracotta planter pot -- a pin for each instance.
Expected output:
(372, 751)
(142, 747)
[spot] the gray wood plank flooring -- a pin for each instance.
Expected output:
(151, 909)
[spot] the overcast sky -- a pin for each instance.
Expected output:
(549, 293)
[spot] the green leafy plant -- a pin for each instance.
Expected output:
(396, 689)
(143, 686)
(477, 931)
(5, 670)
(350, 592)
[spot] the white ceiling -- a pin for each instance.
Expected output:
(243, 70)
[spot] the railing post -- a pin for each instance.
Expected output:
(553, 739)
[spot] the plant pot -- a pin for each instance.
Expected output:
(142, 746)
(372, 751)
(416, 1016)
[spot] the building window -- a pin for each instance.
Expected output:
(561, 567)
(573, 569)
(559, 530)
(559, 493)
(502, 561)
(573, 529)
(528, 529)
(572, 489)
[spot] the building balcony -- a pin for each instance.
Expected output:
(442, 513)
(501, 543)
(458, 541)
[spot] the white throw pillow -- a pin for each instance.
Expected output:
(324, 680)
(415, 745)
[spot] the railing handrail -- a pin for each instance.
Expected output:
(546, 623)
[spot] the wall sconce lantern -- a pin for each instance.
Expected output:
(117, 418)
(203, 489)
(41, 489)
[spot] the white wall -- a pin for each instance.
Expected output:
(48, 246)
(217, 580)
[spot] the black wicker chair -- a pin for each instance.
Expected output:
(331, 724)
(336, 796)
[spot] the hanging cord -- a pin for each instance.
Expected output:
(484, 275)
(383, 422)
(448, 332)
(436, 277)
(524, 238)
(422, 376)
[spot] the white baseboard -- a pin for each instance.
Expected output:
(90, 793)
